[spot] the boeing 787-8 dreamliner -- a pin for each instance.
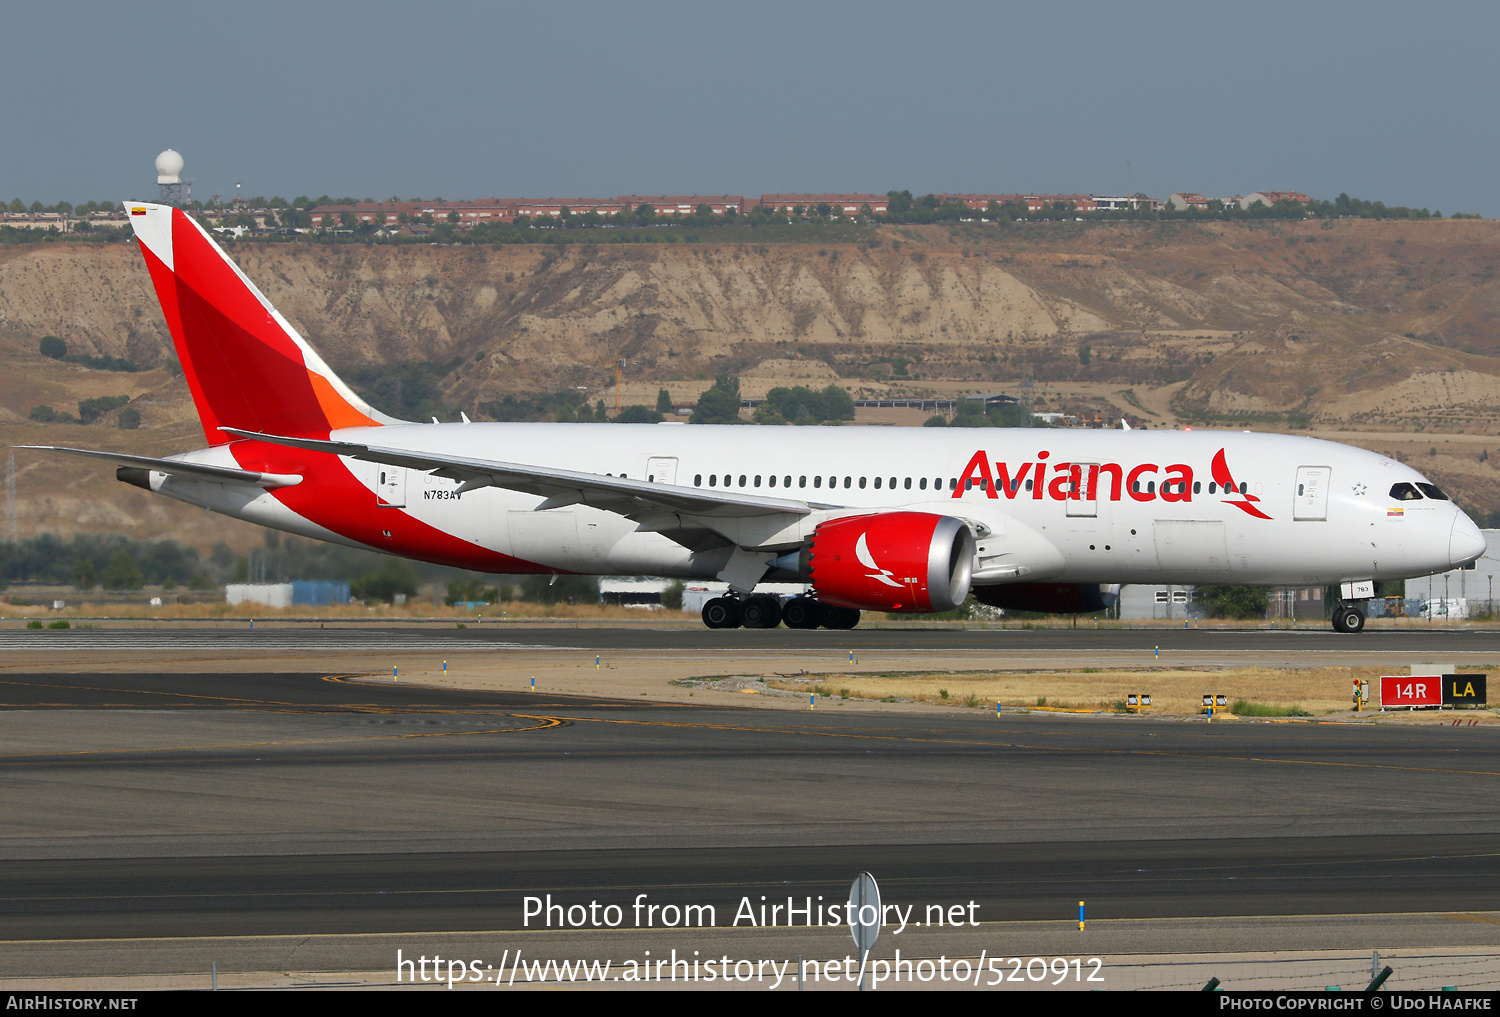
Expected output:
(884, 519)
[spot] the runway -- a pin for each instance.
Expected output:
(204, 804)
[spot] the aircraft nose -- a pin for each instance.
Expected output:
(1466, 544)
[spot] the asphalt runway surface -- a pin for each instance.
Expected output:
(182, 805)
(701, 640)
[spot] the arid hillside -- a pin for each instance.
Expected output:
(1381, 333)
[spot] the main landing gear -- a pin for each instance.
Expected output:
(1348, 618)
(766, 612)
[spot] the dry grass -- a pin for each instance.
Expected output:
(1272, 691)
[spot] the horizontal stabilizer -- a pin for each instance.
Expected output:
(224, 474)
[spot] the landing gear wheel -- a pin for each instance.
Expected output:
(1348, 619)
(802, 613)
(839, 617)
(722, 613)
(762, 613)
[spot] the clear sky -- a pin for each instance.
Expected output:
(1387, 101)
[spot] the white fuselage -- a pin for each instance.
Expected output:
(1312, 512)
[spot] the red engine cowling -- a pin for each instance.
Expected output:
(892, 561)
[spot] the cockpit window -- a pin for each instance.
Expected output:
(1405, 492)
(1433, 491)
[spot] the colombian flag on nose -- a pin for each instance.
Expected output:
(1395, 512)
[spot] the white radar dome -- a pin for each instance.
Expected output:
(168, 167)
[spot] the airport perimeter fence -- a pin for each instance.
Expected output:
(1411, 971)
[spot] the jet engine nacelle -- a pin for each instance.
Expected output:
(1049, 598)
(892, 561)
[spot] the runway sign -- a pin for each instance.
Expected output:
(1408, 690)
(1464, 690)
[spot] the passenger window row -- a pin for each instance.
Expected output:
(879, 483)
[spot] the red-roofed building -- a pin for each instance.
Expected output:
(536, 208)
(685, 204)
(838, 204)
(1269, 198)
(1188, 202)
(1032, 202)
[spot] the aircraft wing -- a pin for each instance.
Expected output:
(681, 513)
(201, 470)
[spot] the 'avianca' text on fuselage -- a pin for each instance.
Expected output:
(1082, 481)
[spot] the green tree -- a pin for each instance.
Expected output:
(671, 597)
(664, 401)
(395, 576)
(130, 419)
(122, 573)
(1239, 602)
(719, 404)
(53, 347)
(90, 410)
(837, 404)
(637, 414)
(1085, 355)
(83, 574)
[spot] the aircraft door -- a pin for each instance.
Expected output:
(1311, 500)
(390, 491)
(661, 469)
(1084, 503)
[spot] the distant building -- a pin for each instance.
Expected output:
(1188, 203)
(685, 204)
(302, 593)
(1032, 202)
(1122, 203)
(1269, 198)
(536, 208)
(838, 204)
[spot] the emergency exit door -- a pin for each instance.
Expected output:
(1083, 503)
(661, 469)
(390, 491)
(1311, 498)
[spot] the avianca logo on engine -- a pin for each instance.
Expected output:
(862, 552)
(1081, 481)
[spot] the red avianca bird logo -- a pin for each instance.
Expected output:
(1225, 480)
